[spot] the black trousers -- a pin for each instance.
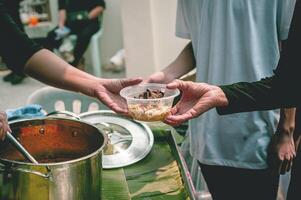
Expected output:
(228, 183)
(294, 190)
(84, 30)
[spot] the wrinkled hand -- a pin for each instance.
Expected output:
(108, 90)
(4, 127)
(196, 99)
(281, 153)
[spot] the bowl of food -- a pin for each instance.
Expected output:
(149, 102)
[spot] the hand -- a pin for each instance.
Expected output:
(158, 77)
(196, 99)
(281, 152)
(4, 127)
(108, 92)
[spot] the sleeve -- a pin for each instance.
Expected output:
(101, 3)
(15, 47)
(62, 4)
(182, 29)
(280, 91)
(245, 97)
(285, 14)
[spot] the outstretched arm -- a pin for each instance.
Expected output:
(50, 69)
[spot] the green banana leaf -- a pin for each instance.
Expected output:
(156, 177)
(114, 185)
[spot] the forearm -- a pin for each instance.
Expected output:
(183, 64)
(244, 97)
(62, 18)
(50, 69)
(266, 94)
(287, 121)
(95, 12)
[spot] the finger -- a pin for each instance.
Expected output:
(1, 134)
(192, 113)
(151, 80)
(294, 152)
(172, 123)
(176, 84)
(180, 118)
(281, 156)
(2, 127)
(173, 85)
(289, 165)
(287, 156)
(106, 98)
(9, 129)
(118, 108)
(6, 129)
(146, 81)
(174, 110)
(291, 153)
(283, 167)
(130, 81)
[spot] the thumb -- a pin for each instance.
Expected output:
(130, 81)
(175, 84)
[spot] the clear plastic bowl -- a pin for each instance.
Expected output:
(149, 110)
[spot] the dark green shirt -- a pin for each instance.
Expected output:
(15, 47)
(282, 90)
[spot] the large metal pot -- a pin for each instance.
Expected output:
(69, 152)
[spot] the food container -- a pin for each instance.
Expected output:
(70, 155)
(151, 109)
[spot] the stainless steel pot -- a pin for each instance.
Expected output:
(70, 156)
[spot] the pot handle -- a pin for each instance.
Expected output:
(70, 114)
(48, 175)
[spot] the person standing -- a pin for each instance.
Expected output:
(282, 90)
(233, 40)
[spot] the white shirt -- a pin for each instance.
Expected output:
(234, 40)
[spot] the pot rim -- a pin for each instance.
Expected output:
(99, 150)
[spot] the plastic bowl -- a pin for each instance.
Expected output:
(149, 110)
